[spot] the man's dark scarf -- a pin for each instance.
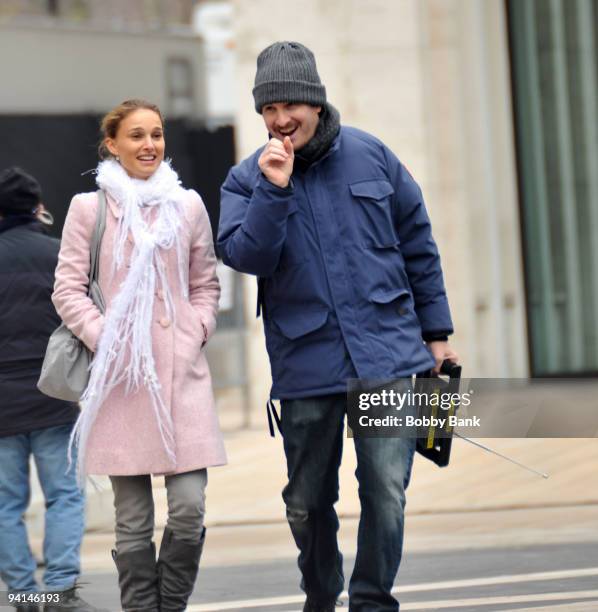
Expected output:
(328, 128)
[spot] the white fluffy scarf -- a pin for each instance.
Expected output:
(124, 352)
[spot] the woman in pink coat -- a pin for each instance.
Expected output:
(149, 407)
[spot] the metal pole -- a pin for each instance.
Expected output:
(490, 450)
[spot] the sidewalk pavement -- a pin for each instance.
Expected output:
(479, 500)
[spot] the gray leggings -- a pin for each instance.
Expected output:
(134, 507)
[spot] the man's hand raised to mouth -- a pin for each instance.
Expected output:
(276, 161)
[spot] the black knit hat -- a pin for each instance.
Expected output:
(286, 72)
(20, 193)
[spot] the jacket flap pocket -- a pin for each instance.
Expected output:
(376, 189)
(386, 296)
(297, 323)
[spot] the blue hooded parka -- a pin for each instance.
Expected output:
(349, 276)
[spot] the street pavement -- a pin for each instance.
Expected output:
(475, 580)
(481, 534)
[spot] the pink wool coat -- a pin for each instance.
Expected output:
(125, 439)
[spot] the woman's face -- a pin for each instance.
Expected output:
(139, 143)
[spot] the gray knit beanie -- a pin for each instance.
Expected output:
(286, 72)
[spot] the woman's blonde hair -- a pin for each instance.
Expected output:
(112, 120)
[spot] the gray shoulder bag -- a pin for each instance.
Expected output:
(65, 371)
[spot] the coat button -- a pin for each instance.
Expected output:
(160, 294)
(164, 322)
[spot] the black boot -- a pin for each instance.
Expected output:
(70, 600)
(178, 562)
(138, 579)
(327, 606)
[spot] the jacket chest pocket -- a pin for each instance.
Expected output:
(372, 213)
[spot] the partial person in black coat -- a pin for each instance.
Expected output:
(32, 424)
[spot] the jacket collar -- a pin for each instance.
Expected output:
(336, 143)
(11, 221)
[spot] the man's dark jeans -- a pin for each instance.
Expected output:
(313, 440)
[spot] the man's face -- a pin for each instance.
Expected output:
(297, 121)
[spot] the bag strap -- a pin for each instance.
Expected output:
(96, 239)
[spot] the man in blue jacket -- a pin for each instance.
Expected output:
(350, 286)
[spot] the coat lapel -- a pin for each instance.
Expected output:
(114, 207)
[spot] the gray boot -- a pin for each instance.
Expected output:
(178, 563)
(138, 579)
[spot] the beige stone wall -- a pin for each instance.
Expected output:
(471, 184)
(430, 78)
